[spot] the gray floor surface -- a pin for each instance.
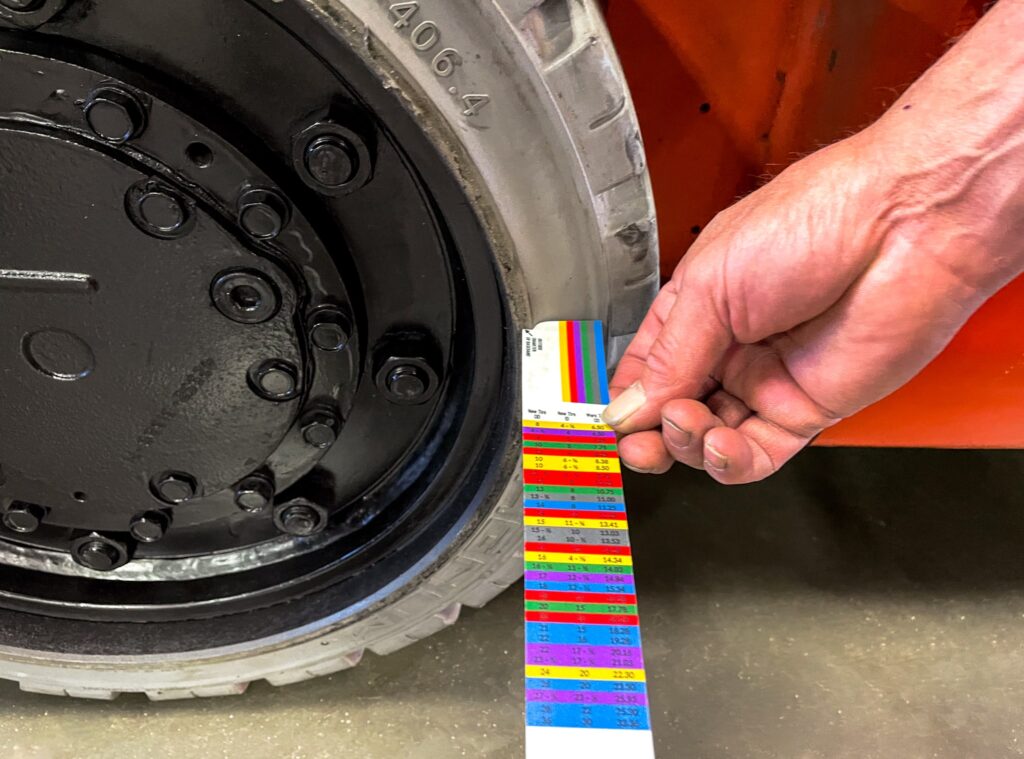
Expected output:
(860, 604)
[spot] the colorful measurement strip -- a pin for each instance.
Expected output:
(581, 349)
(586, 688)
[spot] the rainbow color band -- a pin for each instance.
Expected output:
(586, 688)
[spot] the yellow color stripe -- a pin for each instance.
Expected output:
(588, 524)
(563, 345)
(578, 558)
(571, 464)
(586, 673)
(566, 425)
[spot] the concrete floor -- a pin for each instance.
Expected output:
(861, 604)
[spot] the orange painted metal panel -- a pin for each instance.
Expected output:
(730, 93)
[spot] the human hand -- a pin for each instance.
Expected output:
(811, 298)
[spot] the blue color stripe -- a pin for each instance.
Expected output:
(602, 371)
(588, 715)
(562, 633)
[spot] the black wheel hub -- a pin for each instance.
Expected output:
(247, 319)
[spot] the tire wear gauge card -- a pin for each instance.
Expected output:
(586, 690)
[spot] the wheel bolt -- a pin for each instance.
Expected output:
(320, 430)
(274, 380)
(23, 517)
(262, 213)
(331, 161)
(99, 553)
(300, 518)
(408, 378)
(329, 330)
(115, 115)
(158, 211)
(407, 382)
(246, 297)
(254, 493)
(149, 527)
(175, 487)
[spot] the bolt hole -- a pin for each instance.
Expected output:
(79, 496)
(199, 154)
(695, 229)
(246, 297)
(705, 107)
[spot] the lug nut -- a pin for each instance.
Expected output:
(300, 518)
(320, 430)
(274, 380)
(407, 383)
(99, 553)
(254, 493)
(23, 517)
(115, 115)
(247, 297)
(329, 330)
(158, 210)
(331, 161)
(149, 527)
(262, 213)
(175, 487)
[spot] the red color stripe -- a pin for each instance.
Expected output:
(561, 596)
(570, 452)
(572, 548)
(579, 479)
(570, 349)
(568, 437)
(618, 516)
(618, 620)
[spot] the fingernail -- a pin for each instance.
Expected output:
(623, 407)
(638, 470)
(676, 434)
(714, 460)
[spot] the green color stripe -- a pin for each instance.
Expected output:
(554, 566)
(581, 608)
(569, 446)
(574, 490)
(593, 370)
(587, 353)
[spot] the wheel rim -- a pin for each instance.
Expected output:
(378, 366)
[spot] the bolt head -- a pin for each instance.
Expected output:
(149, 527)
(162, 211)
(115, 115)
(175, 487)
(408, 383)
(262, 214)
(300, 518)
(274, 380)
(246, 296)
(329, 336)
(321, 431)
(254, 493)
(158, 210)
(99, 553)
(331, 161)
(23, 517)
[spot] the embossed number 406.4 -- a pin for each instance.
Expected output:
(424, 37)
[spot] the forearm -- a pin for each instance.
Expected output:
(951, 156)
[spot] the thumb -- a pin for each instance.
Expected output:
(678, 363)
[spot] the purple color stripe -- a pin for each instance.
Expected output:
(541, 576)
(586, 697)
(589, 436)
(581, 379)
(625, 657)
